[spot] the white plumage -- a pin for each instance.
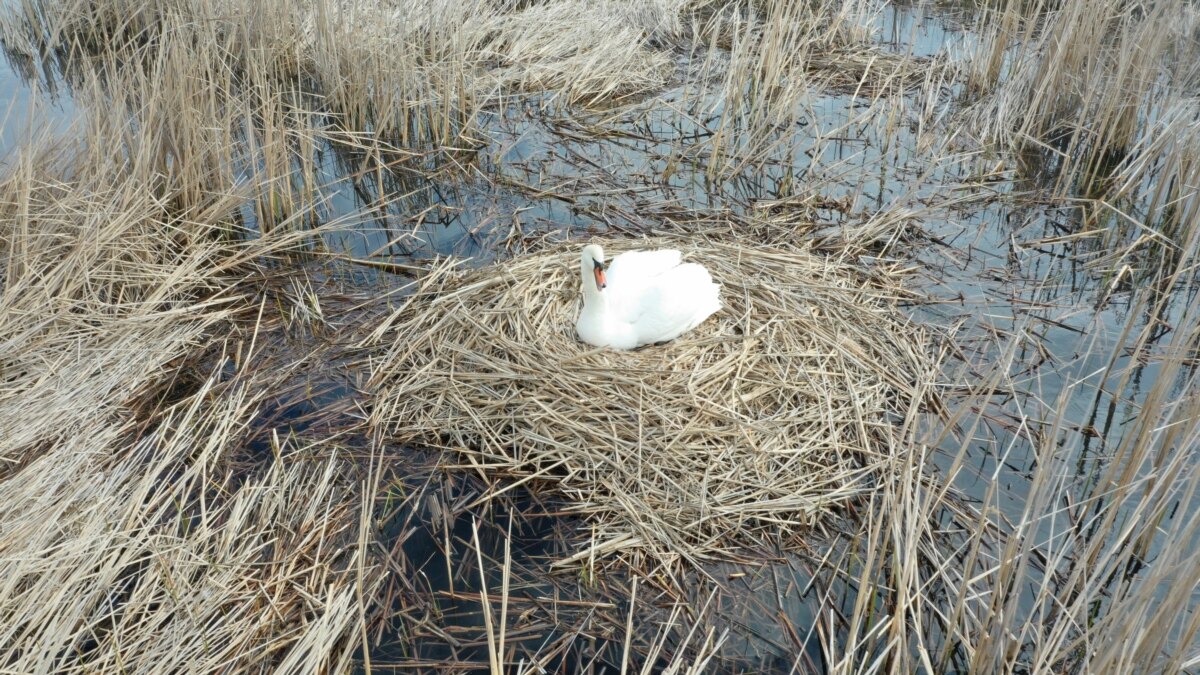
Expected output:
(642, 297)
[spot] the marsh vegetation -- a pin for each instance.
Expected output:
(214, 216)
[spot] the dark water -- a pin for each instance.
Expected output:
(994, 266)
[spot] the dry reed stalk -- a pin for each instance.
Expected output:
(748, 431)
(766, 70)
(150, 554)
(126, 533)
(1081, 83)
(104, 287)
(1086, 572)
(129, 539)
(586, 51)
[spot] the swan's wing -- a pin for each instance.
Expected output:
(678, 301)
(629, 272)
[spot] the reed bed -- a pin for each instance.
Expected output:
(178, 490)
(749, 431)
(131, 537)
(1083, 84)
(134, 533)
(153, 554)
(586, 52)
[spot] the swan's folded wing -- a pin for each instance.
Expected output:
(633, 270)
(678, 301)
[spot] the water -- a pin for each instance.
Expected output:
(995, 265)
(27, 111)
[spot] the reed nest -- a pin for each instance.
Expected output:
(786, 406)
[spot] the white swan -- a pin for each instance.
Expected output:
(641, 297)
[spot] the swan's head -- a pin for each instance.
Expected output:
(592, 262)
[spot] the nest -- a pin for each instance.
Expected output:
(781, 409)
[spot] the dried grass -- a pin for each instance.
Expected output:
(587, 51)
(746, 432)
(149, 555)
(130, 537)
(140, 531)
(1080, 82)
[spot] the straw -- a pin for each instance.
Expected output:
(746, 432)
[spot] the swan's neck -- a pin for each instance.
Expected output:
(593, 298)
(585, 276)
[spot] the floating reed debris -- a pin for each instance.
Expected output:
(746, 432)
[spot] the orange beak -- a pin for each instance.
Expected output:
(601, 282)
